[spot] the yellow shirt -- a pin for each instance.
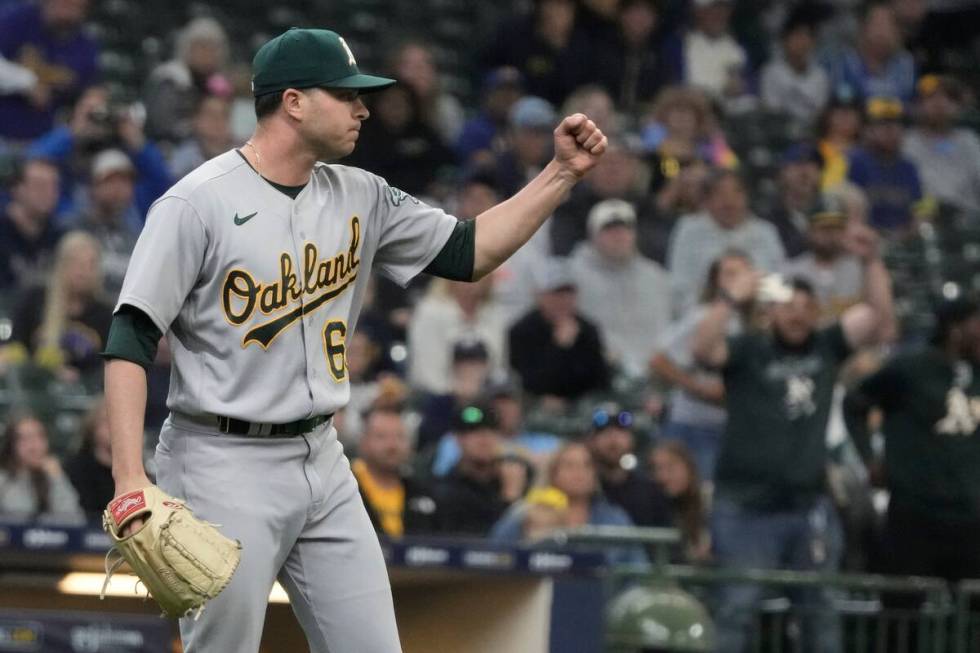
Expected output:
(388, 503)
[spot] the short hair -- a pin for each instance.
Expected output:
(718, 175)
(800, 284)
(19, 172)
(267, 104)
(375, 409)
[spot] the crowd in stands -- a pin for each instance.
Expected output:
(708, 334)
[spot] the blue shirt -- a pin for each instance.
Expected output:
(848, 71)
(448, 451)
(67, 64)
(892, 186)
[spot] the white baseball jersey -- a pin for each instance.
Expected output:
(258, 293)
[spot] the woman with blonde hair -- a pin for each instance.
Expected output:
(64, 325)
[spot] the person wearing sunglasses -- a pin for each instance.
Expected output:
(612, 444)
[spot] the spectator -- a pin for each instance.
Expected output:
(111, 215)
(501, 89)
(414, 66)
(676, 472)
(65, 324)
(557, 353)
(843, 266)
(96, 125)
(90, 469)
(620, 174)
(396, 504)
(546, 47)
(793, 83)
(449, 312)
(770, 480)
(878, 66)
(930, 399)
(210, 136)
(505, 399)
(32, 483)
(55, 59)
(799, 193)
(469, 374)
(622, 292)
(371, 386)
(471, 498)
(631, 66)
(839, 130)
(175, 87)
(947, 157)
(890, 180)
(613, 447)
(28, 234)
(529, 142)
(725, 224)
(398, 145)
(682, 131)
(711, 58)
(696, 414)
(573, 473)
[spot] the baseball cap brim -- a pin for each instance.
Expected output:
(362, 82)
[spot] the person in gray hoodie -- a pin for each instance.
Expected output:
(624, 293)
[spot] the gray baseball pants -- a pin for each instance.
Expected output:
(294, 505)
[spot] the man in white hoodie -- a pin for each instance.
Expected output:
(624, 293)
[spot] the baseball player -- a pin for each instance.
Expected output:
(255, 265)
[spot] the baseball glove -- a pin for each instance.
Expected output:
(183, 561)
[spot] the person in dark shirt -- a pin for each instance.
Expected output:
(470, 499)
(28, 235)
(556, 352)
(396, 504)
(890, 181)
(546, 47)
(623, 482)
(930, 399)
(57, 61)
(65, 323)
(90, 469)
(770, 508)
(502, 87)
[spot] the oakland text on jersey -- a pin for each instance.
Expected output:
(241, 294)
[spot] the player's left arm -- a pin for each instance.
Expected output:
(501, 230)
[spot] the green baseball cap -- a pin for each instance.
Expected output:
(304, 58)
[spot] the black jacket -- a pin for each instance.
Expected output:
(420, 509)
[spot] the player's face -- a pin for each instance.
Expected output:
(795, 320)
(331, 121)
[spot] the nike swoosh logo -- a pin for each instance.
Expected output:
(240, 221)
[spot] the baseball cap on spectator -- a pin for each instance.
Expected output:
(884, 109)
(829, 212)
(109, 162)
(469, 350)
(533, 113)
(555, 275)
(473, 417)
(610, 212)
(503, 76)
(929, 85)
(305, 58)
(801, 153)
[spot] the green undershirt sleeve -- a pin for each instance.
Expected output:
(455, 260)
(132, 337)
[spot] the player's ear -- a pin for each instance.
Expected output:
(293, 101)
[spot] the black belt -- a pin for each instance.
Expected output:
(233, 426)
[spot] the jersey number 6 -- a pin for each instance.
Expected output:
(334, 337)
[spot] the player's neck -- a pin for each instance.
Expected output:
(279, 156)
